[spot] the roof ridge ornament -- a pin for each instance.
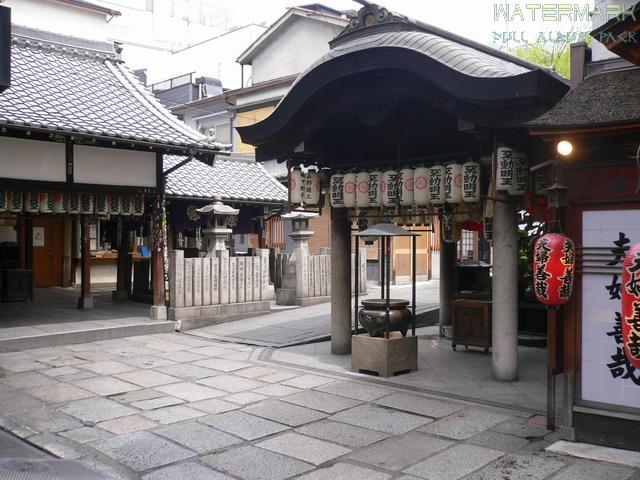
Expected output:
(369, 15)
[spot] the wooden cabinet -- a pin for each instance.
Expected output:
(17, 285)
(471, 323)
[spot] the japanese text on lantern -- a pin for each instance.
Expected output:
(620, 367)
(631, 316)
(541, 275)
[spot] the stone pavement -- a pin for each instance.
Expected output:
(297, 325)
(173, 406)
(463, 374)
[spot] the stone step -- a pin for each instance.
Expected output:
(84, 335)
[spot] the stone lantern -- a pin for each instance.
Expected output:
(221, 219)
(300, 227)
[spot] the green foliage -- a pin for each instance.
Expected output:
(555, 56)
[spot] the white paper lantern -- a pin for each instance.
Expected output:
(73, 203)
(312, 187)
(15, 201)
(336, 190)
(362, 189)
(57, 201)
(406, 190)
(390, 188)
(520, 183)
(453, 183)
(138, 205)
(86, 204)
(421, 186)
(436, 185)
(45, 203)
(115, 206)
(350, 190)
(126, 209)
(102, 204)
(471, 182)
(375, 189)
(296, 186)
(505, 159)
(4, 201)
(31, 202)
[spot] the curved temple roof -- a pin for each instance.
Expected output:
(473, 77)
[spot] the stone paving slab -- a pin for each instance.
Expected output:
(177, 413)
(59, 393)
(358, 391)
(428, 407)
(454, 463)
(520, 467)
(189, 391)
(106, 385)
(128, 424)
(342, 433)
(589, 469)
(231, 383)
(304, 448)
(96, 409)
(381, 419)
(396, 453)
(186, 471)
(325, 402)
(187, 371)
(147, 378)
(344, 471)
(244, 425)
(155, 403)
(285, 413)
(464, 424)
(197, 436)
(142, 450)
(252, 463)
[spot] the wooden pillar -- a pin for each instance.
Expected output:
(28, 243)
(121, 292)
(159, 308)
(66, 260)
(85, 300)
(448, 260)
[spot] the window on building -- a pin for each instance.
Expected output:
(223, 132)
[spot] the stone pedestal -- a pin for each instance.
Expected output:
(386, 357)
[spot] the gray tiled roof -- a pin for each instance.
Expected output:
(70, 89)
(232, 178)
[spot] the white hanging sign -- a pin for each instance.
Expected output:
(362, 189)
(505, 158)
(421, 186)
(375, 188)
(336, 190)
(436, 185)
(453, 183)
(520, 183)
(471, 182)
(46, 203)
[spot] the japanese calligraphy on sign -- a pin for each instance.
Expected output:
(610, 332)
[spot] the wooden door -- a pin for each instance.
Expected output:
(48, 251)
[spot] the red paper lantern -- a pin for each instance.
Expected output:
(630, 293)
(554, 257)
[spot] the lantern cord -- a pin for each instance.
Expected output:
(555, 226)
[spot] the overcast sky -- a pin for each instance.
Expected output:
(474, 19)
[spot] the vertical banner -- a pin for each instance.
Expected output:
(608, 376)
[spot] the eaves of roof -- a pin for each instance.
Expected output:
(90, 6)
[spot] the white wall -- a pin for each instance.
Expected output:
(58, 18)
(32, 160)
(293, 49)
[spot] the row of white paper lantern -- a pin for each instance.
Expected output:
(512, 171)
(422, 186)
(72, 203)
